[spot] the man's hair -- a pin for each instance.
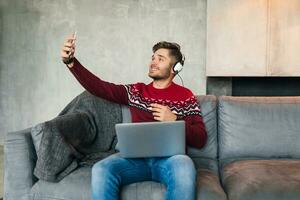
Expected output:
(174, 50)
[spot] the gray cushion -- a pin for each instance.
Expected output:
(262, 180)
(76, 186)
(262, 127)
(208, 186)
(206, 163)
(208, 104)
(147, 190)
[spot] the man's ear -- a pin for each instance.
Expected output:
(171, 66)
(172, 69)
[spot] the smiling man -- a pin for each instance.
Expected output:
(160, 100)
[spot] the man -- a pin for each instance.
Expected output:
(161, 100)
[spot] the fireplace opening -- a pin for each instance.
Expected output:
(265, 86)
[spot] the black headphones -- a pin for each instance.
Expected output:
(178, 66)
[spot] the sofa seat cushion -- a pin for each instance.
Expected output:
(262, 180)
(208, 186)
(147, 190)
(77, 186)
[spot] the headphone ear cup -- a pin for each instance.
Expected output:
(177, 67)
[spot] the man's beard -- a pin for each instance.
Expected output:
(156, 78)
(166, 75)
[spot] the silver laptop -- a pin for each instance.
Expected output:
(151, 139)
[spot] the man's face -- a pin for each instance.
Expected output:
(160, 65)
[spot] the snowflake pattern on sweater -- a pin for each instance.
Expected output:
(181, 108)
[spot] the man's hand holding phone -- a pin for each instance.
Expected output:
(68, 50)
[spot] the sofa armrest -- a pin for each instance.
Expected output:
(19, 161)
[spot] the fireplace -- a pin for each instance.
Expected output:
(254, 86)
(266, 86)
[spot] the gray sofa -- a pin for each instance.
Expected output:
(252, 152)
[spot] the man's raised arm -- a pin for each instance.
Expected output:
(93, 84)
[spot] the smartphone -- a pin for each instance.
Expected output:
(75, 35)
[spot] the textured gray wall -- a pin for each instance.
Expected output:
(114, 42)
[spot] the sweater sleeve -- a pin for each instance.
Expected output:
(196, 135)
(98, 87)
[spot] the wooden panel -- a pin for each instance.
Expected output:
(236, 37)
(284, 59)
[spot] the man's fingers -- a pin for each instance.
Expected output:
(64, 54)
(70, 37)
(156, 114)
(70, 41)
(157, 118)
(156, 105)
(68, 44)
(67, 53)
(65, 48)
(67, 56)
(154, 109)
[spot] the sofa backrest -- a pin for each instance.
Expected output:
(208, 104)
(258, 127)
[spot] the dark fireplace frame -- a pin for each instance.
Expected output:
(253, 86)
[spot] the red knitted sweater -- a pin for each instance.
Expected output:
(139, 96)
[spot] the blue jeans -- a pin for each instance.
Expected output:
(177, 173)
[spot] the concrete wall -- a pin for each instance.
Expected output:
(114, 41)
(253, 38)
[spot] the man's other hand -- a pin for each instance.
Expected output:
(162, 113)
